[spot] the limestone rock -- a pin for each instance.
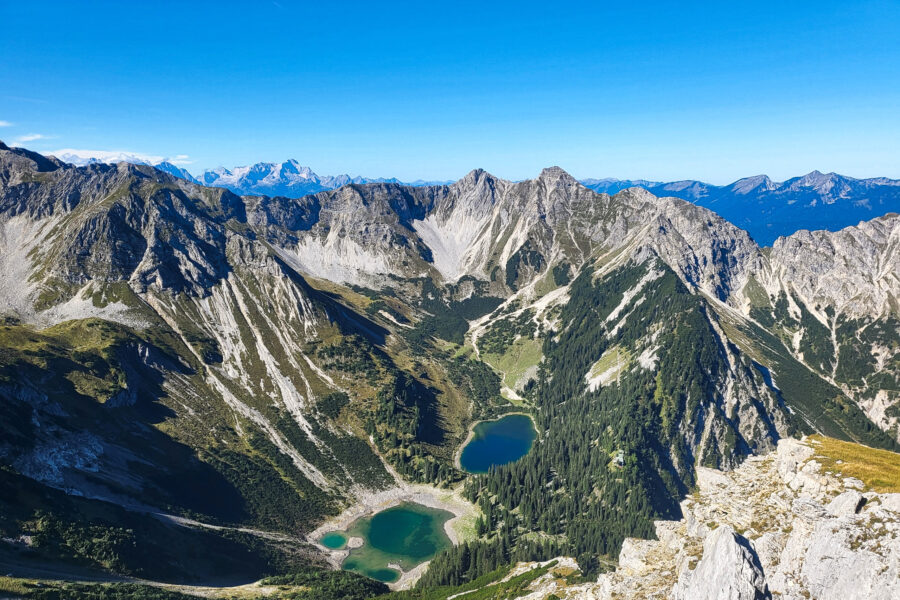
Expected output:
(847, 503)
(729, 570)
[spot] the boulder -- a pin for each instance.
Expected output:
(729, 570)
(847, 503)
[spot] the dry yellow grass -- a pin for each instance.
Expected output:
(877, 469)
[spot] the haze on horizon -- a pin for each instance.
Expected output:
(658, 92)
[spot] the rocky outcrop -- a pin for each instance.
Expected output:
(729, 570)
(778, 526)
(855, 271)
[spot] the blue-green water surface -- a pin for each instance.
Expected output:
(407, 535)
(497, 443)
(334, 540)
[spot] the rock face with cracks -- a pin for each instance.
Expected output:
(729, 570)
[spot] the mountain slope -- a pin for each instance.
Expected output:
(833, 299)
(159, 356)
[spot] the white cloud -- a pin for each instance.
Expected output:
(5, 124)
(31, 137)
(85, 157)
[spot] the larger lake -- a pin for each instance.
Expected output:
(406, 535)
(497, 443)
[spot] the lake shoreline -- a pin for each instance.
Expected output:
(457, 456)
(369, 503)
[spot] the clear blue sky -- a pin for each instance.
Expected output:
(660, 90)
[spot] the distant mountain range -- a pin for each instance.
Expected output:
(769, 209)
(765, 208)
(289, 178)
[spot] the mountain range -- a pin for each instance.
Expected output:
(207, 378)
(769, 209)
(765, 208)
(288, 178)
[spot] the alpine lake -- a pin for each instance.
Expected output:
(406, 535)
(499, 442)
(402, 536)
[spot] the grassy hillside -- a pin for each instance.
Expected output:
(879, 470)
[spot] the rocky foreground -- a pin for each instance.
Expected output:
(779, 526)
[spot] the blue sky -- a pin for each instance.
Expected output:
(657, 90)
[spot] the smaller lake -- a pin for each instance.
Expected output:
(497, 443)
(334, 540)
(406, 535)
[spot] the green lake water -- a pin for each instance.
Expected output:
(407, 534)
(497, 443)
(334, 540)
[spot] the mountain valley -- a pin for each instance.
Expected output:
(212, 378)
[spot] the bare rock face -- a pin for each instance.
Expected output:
(729, 570)
(691, 240)
(778, 526)
(834, 296)
(855, 270)
(847, 503)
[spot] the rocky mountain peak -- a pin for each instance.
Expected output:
(175, 171)
(816, 175)
(556, 175)
(756, 183)
(638, 197)
(21, 160)
(818, 181)
(475, 175)
(476, 179)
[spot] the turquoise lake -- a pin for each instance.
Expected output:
(406, 535)
(497, 443)
(334, 540)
